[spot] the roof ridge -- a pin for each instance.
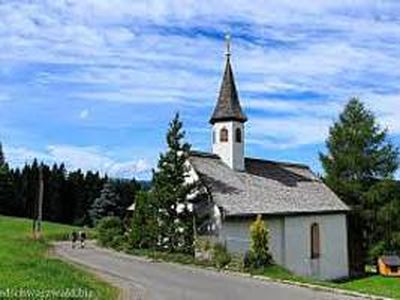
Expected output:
(203, 154)
(276, 162)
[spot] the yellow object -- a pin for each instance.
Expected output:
(389, 265)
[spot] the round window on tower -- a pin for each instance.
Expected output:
(238, 135)
(223, 135)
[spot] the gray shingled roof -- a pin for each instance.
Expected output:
(228, 105)
(266, 187)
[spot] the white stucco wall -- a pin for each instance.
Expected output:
(290, 243)
(333, 261)
(231, 152)
(237, 237)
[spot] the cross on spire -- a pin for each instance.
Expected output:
(228, 44)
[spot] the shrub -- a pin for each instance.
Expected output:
(203, 249)
(110, 231)
(119, 242)
(249, 260)
(259, 255)
(237, 263)
(221, 256)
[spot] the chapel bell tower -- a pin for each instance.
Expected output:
(228, 120)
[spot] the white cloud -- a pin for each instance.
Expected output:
(22, 155)
(84, 114)
(132, 96)
(289, 107)
(386, 109)
(167, 52)
(85, 158)
(289, 132)
(93, 158)
(303, 123)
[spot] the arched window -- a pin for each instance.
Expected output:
(213, 137)
(315, 241)
(238, 135)
(223, 135)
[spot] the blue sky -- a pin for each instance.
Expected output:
(94, 83)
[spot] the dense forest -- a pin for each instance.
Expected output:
(68, 197)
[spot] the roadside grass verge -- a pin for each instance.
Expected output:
(373, 285)
(26, 265)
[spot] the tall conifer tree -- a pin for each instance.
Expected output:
(145, 229)
(7, 205)
(171, 191)
(2, 159)
(106, 204)
(359, 155)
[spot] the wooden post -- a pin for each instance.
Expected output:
(38, 208)
(40, 203)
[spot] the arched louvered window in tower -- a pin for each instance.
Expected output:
(315, 241)
(223, 135)
(238, 135)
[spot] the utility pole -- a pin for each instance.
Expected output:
(40, 202)
(37, 219)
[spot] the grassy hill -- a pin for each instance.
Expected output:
(26, 265)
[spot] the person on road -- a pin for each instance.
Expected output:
(82, 237)
(74, 238)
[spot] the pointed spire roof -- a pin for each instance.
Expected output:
(228, 105)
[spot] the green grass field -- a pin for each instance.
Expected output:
(374, 284)
(25, 263)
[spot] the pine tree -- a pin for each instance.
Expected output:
(144, 227)
(93, 187)
(382, 214)
(171, 192)
(74, 202)
(2, 159)
(32, 189)
(105, 204)
(7, 203)
(126, 190)
(359, 155)
(18, 191)
(55, 180)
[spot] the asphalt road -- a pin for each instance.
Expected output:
(141, 279)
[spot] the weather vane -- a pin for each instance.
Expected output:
(228, 44)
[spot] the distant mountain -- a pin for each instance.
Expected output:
(146, 184)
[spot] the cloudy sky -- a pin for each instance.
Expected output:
(94, 83)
